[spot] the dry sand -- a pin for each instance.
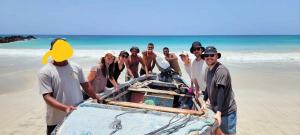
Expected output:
(267, 97)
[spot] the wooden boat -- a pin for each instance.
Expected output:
(151, 106)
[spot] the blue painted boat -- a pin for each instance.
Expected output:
(152, 106)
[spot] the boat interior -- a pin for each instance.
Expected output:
(153, 93)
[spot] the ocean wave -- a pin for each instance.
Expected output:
(226, 56)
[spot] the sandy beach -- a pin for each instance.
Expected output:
(267, 95)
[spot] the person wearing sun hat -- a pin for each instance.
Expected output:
(219, 92)
(198, 68)
(102, 72)
(184, 56)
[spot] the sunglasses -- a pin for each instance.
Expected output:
(198, 49)
(208, 55)
(124, 56)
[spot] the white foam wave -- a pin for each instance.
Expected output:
(226, 56)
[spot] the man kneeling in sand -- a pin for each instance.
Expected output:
(219, 92)
(59, 83)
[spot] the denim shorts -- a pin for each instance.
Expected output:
(228, 123)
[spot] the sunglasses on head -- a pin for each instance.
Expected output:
(209, 55)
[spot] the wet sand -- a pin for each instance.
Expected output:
(267, 97)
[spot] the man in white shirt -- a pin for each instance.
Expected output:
(198, 68)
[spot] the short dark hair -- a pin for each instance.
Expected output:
(54, 41)
(122, 53)
(165, 48)
(151, 44)
(135, 48)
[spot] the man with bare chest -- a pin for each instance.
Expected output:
(172, 59)
(149, 58)
(133, 63)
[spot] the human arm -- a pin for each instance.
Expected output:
(50, 100)
(222, 79)
(129, 70)
(205, 99)
(220, 102)
(90, 78)
(196, 88)
(172, 57)
(153, 63)
(144, 66)
(86, 87)
(46, 89)
(115, 84)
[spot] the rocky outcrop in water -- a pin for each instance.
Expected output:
(15, 38)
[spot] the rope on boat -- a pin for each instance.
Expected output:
(169, 130)
(116, 124)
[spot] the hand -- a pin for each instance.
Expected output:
(99, 100)
(70, 109)
(117, 87)
(131, 77)
(218, 117)
(147, 76)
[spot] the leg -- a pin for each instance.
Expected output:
(219, 132)
(50, 129)
(228, 125)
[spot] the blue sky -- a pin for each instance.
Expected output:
(150, 17)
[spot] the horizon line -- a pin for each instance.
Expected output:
(154, 35)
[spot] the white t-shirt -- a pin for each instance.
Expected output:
(188, 69)
(64, 82)
(198, 73)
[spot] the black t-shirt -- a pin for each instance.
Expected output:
(117, 73)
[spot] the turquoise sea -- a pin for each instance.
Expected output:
(234, 48)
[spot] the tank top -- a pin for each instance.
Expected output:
(117, 73)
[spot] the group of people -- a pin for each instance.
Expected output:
(60, 83)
